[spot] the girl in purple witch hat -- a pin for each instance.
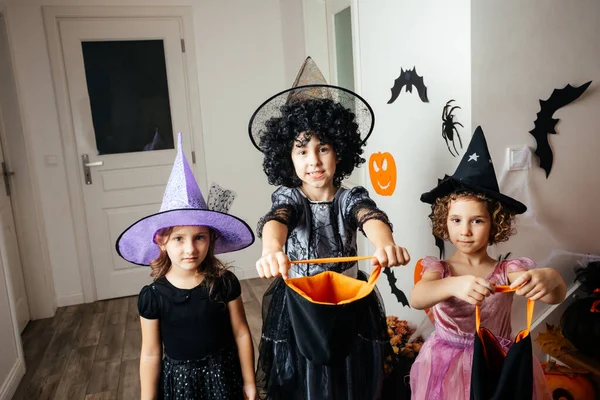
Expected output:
(312, 137)
(193, 309)
(469, 211)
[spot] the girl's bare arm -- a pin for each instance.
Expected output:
(150, 358)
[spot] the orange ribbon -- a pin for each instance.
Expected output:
(530, 306)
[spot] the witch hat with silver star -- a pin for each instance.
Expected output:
(475, 172)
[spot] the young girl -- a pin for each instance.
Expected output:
(469, 211)
(193, 309)
(312, 141)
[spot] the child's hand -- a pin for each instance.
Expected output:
(472, 289)
(536, 283)
(250, 391)
(391, 256)
(273, 264)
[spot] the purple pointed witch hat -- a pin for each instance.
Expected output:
(182, 205)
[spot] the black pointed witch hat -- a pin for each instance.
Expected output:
(475, 172)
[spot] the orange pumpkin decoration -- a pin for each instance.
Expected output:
(568, 384)
(382, 170)
(417, 278)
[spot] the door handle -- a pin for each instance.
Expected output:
(85, 160)
(94, 164)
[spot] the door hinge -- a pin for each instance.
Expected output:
(193, 157)
(183, 45)
(6, 174)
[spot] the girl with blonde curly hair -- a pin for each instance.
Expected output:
(469, 211)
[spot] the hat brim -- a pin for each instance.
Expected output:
(136, 243)
(450, 185)
(271, 108)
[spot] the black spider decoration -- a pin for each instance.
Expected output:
(449, 127)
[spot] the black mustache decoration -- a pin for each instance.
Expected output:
(545, 124)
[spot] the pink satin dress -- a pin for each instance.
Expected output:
(442, 370)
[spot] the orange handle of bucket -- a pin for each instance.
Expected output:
(507, 289)
(596, 305)
(372, 278)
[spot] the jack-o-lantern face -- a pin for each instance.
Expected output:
(382, 170)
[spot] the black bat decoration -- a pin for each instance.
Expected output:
(400, 296)
(409, 78)
(503, 258)
(545, 124)
(439, 243)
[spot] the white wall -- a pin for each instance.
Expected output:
(434, 37)
(521, 52)
(241, 61)
(293, 38)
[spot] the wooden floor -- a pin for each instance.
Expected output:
(91, 351)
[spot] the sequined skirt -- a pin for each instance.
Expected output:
(217, 376)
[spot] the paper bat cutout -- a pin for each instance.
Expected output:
(439, 243)
(400, 296)
(409, 78)
(545, 124)
(503, 258)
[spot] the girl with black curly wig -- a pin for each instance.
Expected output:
(329, 122)
(312, 137)
(469, 211)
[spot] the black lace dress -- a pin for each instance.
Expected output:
(316, 230)
(200, 355)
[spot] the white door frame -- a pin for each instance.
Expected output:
(52, 16)
(11, 382)
(26, 202)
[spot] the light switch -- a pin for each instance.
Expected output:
(51, 159)
(518, 158)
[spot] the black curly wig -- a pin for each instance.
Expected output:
(332, 124)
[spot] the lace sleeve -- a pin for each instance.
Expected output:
(285, 209)
(284, 214)
(360, 208)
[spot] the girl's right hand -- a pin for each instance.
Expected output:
(273, 264)
(472, 289)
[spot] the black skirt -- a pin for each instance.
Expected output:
(217, 376)
(284, 373)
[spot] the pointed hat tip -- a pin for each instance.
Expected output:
(179, 142)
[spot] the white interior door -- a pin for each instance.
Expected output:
(9, 248)
(126, 83)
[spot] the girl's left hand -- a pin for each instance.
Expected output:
(391, 256)
(536, 283)
(250, 392)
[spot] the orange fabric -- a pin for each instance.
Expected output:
(417, 278)
(491, 341)
(596, 305)
(530, 307)
(333, 288)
